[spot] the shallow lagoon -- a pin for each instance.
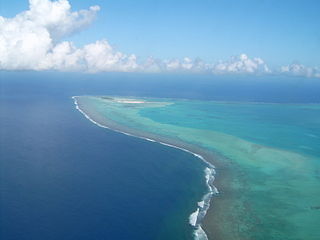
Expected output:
(60, 174)
(266, 157)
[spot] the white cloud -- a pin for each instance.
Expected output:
(241, 64)
(33, 40)
(185, 65)
(301, 70)
(56, 17)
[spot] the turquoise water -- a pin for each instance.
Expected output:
(293, 127)
(63, 177)
(268, 172)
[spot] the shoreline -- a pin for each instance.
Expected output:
(196, 218)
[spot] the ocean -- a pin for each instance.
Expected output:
(63, 177)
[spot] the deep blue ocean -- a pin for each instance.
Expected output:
(62, 177)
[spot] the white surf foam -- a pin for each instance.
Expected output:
(199, 234)
(201, 204)
(196, 217)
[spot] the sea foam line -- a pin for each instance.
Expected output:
(196, 217)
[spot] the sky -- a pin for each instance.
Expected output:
(216, 36)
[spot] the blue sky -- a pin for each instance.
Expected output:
(279, 32)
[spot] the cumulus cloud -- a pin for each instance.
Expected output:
(34, 40)
(55, 17)
(301, 70)
(172, 65)
(94, 57)
(241, 64)
(185, 65)
(235, 65)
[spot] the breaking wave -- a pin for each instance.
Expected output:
(197, 216)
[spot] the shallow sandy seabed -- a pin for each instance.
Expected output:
(265, 193)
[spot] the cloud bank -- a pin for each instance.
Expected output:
(301, 70)
(33, 40)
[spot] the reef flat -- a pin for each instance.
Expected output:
(267, 166)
